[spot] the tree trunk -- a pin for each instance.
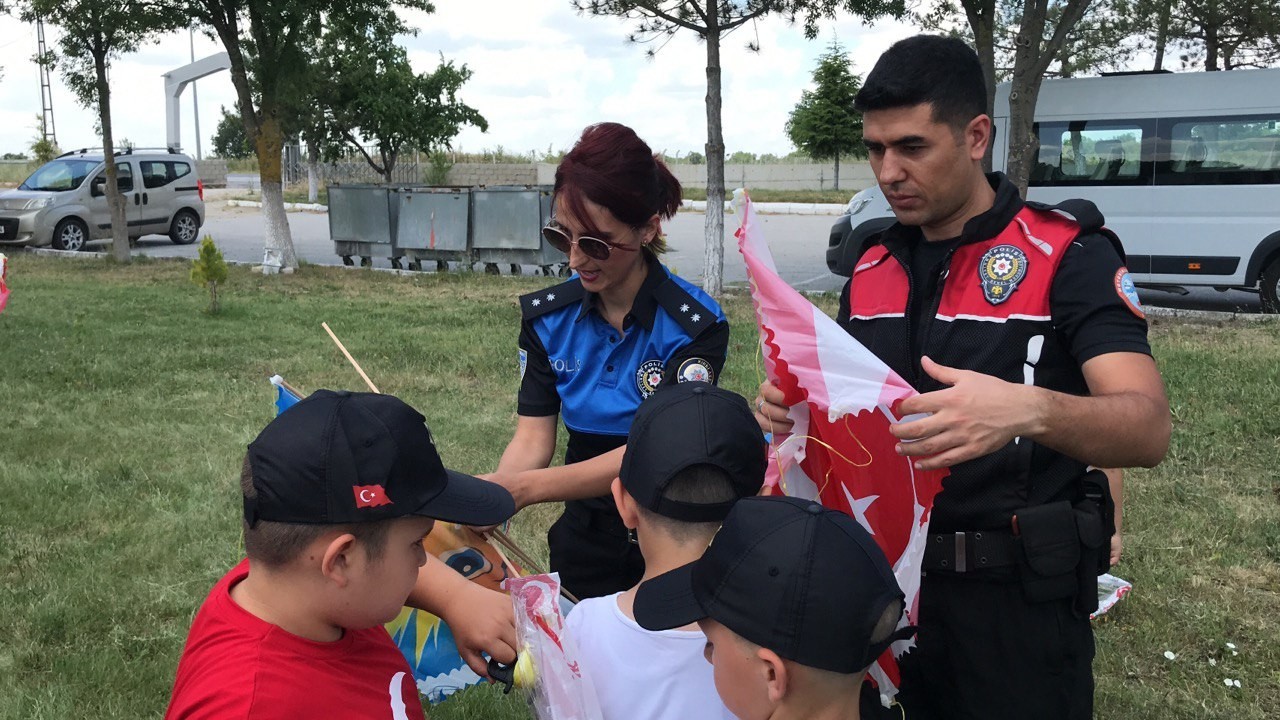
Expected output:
(837, 178)
(1211, 48)
(278, 253)
(981, 14)
(1031, 58)
(115, 199)
(313, 174)
(713, 257)
(1162, 34)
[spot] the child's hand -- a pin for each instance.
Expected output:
(482, 621)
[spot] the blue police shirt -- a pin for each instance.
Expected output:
(574, 363)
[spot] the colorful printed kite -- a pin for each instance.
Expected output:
(840, 450)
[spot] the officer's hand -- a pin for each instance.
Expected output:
(1117, 548)
(977, 415)
(771, 409)
(482, 621)
(514, 483)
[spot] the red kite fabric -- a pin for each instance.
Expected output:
(4, 289)
(840, 450)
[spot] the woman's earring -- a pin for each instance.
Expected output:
(631, 536)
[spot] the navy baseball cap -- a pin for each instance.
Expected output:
(786, 574)
(688, 424)
(344, 457)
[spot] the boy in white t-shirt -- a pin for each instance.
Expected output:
(692, 452)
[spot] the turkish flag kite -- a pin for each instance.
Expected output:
(370, 496)
(840, 451)
(4, 289)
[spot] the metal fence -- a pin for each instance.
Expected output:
(356, 170)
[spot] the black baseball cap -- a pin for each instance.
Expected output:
(786, 574)
(344, 457)
(688, 424)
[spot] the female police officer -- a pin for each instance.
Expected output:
(592, 348)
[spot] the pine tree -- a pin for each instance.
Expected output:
(209, 270)
(824, 124)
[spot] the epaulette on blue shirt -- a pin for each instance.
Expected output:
(536, 304)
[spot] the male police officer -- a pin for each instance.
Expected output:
(1020, 326)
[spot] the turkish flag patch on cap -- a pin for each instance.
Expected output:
(370, 496)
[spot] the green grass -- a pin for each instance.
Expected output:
(11, 174)
(126, 410)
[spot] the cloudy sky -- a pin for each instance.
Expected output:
(541, 73)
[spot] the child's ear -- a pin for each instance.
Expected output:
(776, 675)
(337, 561)
(626, 504)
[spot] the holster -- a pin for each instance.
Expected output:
(1058, 546)
(1097, 490)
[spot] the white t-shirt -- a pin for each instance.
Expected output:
(639, 674)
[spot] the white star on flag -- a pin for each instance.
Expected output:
(859, 507)
(696, 317)
(551, 296)
(536, 302)
(684, 308)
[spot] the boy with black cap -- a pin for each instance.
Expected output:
(339, 491)
(796, 601)
(692, 452)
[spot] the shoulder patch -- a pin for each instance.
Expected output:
(688, 311)
(1128, 293)
(555, 297)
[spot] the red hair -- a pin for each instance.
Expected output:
(612, 167)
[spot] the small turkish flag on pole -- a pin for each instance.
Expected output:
(370, 496)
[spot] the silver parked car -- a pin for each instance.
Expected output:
(64, 203)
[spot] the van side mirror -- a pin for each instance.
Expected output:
(99, 186)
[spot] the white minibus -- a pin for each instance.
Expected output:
(1184, 166)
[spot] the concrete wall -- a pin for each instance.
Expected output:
(493, 174)
(854, 175)
(213, 172)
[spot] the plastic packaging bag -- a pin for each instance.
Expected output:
(558, 691)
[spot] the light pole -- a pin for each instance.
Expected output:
(195, 96)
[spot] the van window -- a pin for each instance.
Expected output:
(178, 169)
(1222, 151)
(155, 174)
(60, 175)
(1090, 153)
(124, 178)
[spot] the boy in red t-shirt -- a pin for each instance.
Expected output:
(339, 491)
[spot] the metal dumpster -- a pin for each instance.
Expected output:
(433, 224)
(506, 228)
(363, 223)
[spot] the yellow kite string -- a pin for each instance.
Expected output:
(777, 448)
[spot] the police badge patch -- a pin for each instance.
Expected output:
(524, 362)
(649, 377)
(1128, 292)
(1000, 271)
(695, 370)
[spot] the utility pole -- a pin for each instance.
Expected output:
(195, 96)
(47, 128)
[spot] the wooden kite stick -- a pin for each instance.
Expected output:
(510, 565)
(350, 359)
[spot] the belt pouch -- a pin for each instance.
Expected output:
(1048, 551)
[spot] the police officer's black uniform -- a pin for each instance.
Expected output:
(1014, 542)
(573, 362)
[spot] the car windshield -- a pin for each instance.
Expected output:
(60, 175)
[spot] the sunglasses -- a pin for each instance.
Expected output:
(594, 248)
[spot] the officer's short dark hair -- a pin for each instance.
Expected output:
(941, 71)
(702, 484)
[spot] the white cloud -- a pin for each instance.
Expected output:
(540, 71)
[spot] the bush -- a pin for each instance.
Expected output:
(210, 270)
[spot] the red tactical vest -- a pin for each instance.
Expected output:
(990, 313)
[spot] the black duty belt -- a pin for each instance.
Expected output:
(969, 551)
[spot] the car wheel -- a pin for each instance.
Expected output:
(1271, 287)
(184, 228)
(70, 234)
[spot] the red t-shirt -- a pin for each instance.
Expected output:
(236, 665)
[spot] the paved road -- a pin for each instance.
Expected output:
(798, 241)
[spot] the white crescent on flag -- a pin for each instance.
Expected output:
(840, 451)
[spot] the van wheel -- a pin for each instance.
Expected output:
(1271, 287)
(70, 234)
(184, 228)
